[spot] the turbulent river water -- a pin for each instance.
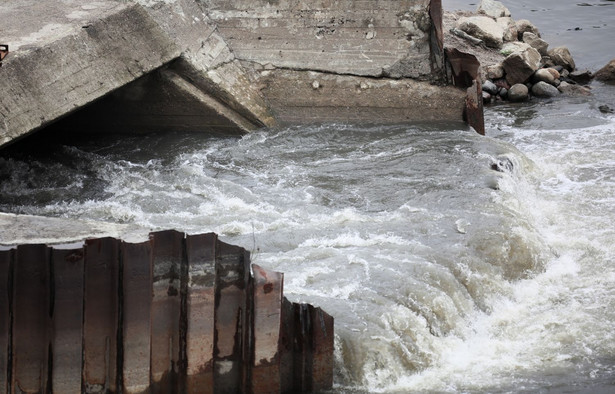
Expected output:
(450, 261)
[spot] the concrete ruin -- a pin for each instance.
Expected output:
(174, 314)
(222, 66)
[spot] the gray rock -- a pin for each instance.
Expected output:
(607, 73)
(518, 92)
(573, 90)
(605, 109)
(536, 42)
(483, 28)
(503, 93)
(561, 56)
(523, 25)
(583, 77)
(510, 28)
(543, 75)
(494, 71)
(512, 47)
(492, 8)
(519, 66)
(490, 87)
(486, 97)
(553, 72)
(543, 89)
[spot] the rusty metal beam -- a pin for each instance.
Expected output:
(176, 313)
(100, 322)
(6, 310)
(267, 311)
(201, 252)
(67, 320)
(31, 311)
(136, 307)
(168, 256)
(232, 272)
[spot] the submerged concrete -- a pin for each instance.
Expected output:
(221, 66)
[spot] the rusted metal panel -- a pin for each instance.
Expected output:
(31, 311)
(302, 349)
(474, 112)
(322, 342)
(136, 306)
(267, 312)
(173, 314)
(287, 346)
(168, 256)
(6, 291)
(200, 250)
(100, 322)
(68, 270)
(232, 272)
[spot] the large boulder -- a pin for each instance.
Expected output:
(543, 89)
(519, 66)
(484, 28)
(561, 56)
(544, 75)
(510, 28)
(607, 73)
(514, 46)
(492, 8)
(536, 42)
(518, 92)
(523, 25)
(573, 89)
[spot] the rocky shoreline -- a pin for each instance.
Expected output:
(516, 63)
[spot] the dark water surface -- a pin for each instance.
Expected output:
(451, 262)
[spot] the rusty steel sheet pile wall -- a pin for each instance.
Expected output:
(174, 314)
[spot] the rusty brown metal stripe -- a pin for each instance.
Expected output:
(168, 252)
(136, 306)
(474, 111)
(68, 275)
(31, 289)
(267, 311)
(322, 342)
(287, 338)
(100, 322)
(200, 250)
(232, 271)
(6, 289)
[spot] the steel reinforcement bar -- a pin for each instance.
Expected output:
(175, 314)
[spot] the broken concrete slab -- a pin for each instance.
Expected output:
(93, 52)
(85, 51)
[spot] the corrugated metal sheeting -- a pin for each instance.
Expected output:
(175, 314)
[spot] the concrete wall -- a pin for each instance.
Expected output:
(358, 37)
(219, 65)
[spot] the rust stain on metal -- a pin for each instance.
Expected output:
(4, 50)
(102, 319)
(67, 317)
(464, 67)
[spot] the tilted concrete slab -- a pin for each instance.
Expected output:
(221, 66)
(67, 54)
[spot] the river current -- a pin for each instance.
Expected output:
(450, 261)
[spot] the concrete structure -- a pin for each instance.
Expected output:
(174, 314)
(221, 66)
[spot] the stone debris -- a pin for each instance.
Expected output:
(607, 73)
(523, 66)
